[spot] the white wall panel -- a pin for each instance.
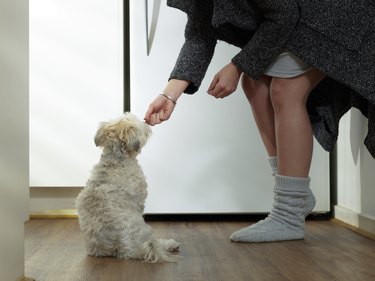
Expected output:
(76, 81)
(208, 158)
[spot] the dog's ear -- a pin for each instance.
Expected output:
(100, 136)
(129, 137)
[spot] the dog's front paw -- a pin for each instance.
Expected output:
(171, 245)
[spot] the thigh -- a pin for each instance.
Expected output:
(255, 88)
(295, 88)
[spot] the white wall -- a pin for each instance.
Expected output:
(76, 82)
(355, 174)
(13, 136)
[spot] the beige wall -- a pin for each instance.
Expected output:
(13, 136)
(47, 199)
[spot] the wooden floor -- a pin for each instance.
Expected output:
(55, 252)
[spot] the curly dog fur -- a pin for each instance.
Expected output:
(110, 207)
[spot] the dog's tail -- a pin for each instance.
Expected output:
(153, 251)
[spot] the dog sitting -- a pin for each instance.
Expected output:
(110, 207)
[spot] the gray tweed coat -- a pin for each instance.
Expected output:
(335, 36)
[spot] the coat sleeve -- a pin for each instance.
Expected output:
(198, 48)
(279, 20)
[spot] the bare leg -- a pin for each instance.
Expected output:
(294, 137)
(258, 94)
(294, 144)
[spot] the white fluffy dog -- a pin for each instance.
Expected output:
(110, 207)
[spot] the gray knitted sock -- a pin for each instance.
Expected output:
(286, 220)
(310, 199)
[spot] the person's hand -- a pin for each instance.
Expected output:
(159, 110)
(162, 107)
(225, 81)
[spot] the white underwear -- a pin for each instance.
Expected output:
(287, 65)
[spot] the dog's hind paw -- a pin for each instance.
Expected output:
(171, 245)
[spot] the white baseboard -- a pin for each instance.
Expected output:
(355, 219)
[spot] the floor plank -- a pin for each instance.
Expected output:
(55, 252)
